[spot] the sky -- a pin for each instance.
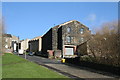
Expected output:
(32, 19)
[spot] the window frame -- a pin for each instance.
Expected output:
(81, 30)
(68, 29)
(82, 39)
(68, 39)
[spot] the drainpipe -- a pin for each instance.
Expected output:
(63, 48)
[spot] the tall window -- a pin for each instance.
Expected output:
(68, 29)
(81, 30)
(68, 39)
(72, 39)
(82, 39)
(6, 40)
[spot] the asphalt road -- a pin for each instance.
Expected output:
(68, 69)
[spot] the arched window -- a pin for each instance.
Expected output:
(69, 29)
(68, 39)
(82, 39)
(81, 30)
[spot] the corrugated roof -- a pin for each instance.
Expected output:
(36, 38)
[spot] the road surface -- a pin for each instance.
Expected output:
(68, 70)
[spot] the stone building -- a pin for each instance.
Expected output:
(63, 40)
(35, 44)
(15, 41)
(7, 41)
(10, 42)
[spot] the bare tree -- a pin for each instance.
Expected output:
(103, 45)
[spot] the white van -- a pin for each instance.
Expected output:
(21, 51)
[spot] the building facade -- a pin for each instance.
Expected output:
(35, 44)
(15, 41)
(23, 45)
(10, 43)
(63, 39)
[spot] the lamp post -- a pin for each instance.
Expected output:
(25, 54)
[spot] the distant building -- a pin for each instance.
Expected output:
(35, 44)
(10, 42)
(62, 40)
(15, 43)
(7, 41)
(23, 45)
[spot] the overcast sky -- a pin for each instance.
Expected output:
(32, 19)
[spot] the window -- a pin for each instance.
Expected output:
(82, 39)
(72, 39)
(81, 30)
(68, 29)
(68, 39)
(6, 40)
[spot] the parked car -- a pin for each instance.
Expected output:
(31, 53)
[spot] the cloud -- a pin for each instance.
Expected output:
(91, 17)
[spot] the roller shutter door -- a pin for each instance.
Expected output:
(69, 51)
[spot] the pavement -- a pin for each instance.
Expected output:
(68, 69)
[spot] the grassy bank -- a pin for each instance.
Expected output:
(17, 67)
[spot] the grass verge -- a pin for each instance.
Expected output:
(14, 66)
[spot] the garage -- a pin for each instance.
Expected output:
(69, 51)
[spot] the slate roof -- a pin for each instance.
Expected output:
(68, 23)
(7, 35)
